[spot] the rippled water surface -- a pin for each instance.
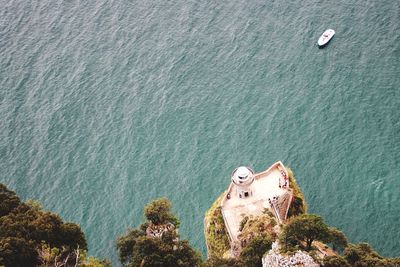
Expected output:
(106, 105)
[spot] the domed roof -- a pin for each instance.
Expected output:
(242, 172)
(242, 176)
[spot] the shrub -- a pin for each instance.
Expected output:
(251, 254)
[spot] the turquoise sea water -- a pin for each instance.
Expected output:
(106, 105)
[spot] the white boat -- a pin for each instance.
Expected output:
(326, 37)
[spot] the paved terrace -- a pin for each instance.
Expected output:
(265, 186)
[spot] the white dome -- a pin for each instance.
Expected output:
(243, 172)
(243, 176)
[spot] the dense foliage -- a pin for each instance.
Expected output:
(15, 251)
(216, 235)
(362, 255)
(25, 228)
(305, 229)
(8, 200)
(220, 262)
(252, 226)
(159, 212)
(335, 261)
(298, 205)
(337, 239)
(138, 248)
(31, 236)
(252, 253)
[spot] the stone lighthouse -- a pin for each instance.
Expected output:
(243, 178)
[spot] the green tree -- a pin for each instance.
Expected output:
(252, 253)
(363, 255)
(150, 251)
(305, 228)
(159, 212)
(218, 262)
(137, 249)
(71, 235)
(38, 225)
(356, 254)
(25, 227)
(335, 261)
(8, 200)
(337, 239)
(126, 243)
(17, 252)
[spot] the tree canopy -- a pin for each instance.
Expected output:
(337, 239)
(137, 248)
(8, 200)
(305, 228)
(335, 261)
(31, 236)
(39, 226)
(219, 262)
(17, 252)
(159, 212)
(252, 253)
(363, 255)
(25, 228)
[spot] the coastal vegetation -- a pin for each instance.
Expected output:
(157, 242)
(253, 227)
(217, 240)
(223, 262)
(32, 236)
(298, 205)
(252, 253)
(302, 230)
(363, 255)
(216, 235)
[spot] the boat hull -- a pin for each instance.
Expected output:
(325, 38)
